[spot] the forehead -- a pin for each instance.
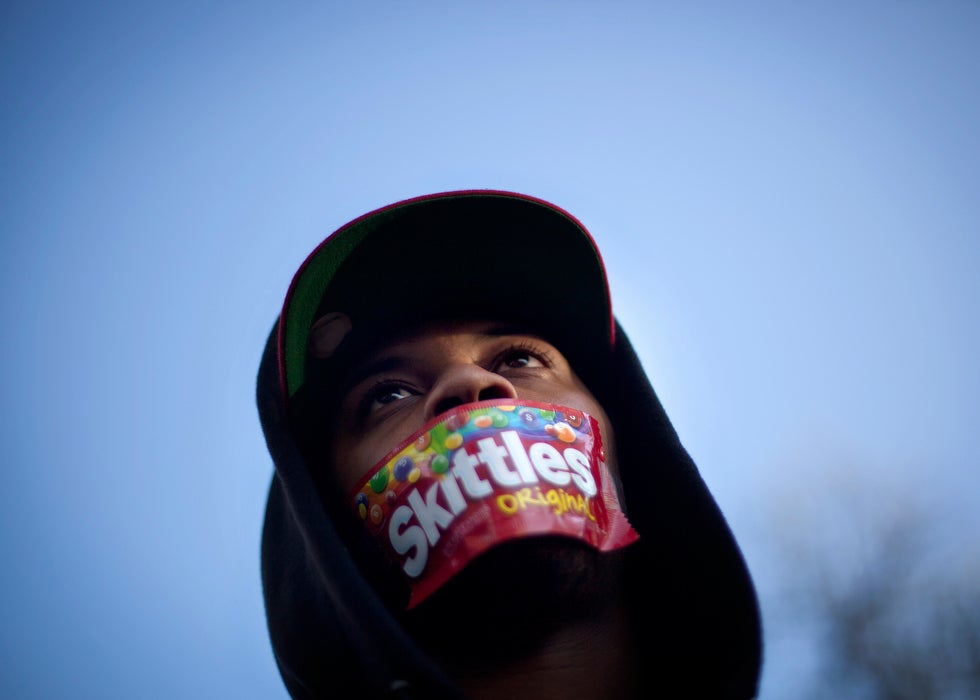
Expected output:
(423, 337)
(373, 351)
(448, 328)
(385, 344)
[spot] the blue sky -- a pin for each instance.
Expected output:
(785, 196)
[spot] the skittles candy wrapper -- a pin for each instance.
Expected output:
(485, 473)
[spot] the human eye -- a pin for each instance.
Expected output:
(376, 399)
(383, 394)
(524, 355)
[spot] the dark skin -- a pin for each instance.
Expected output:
(537, 618)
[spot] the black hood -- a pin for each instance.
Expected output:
(691, 597)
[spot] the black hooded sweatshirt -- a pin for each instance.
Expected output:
(692, 603)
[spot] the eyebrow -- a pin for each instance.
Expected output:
(509, 329)
(390, 363)
(360, 373)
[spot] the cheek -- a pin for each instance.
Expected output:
(609, 445)
(587, 403)
(350, 463)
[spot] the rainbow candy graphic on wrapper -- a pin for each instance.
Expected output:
(485, 473)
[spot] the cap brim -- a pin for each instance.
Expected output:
(476, 253)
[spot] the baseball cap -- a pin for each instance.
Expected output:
(467, 253)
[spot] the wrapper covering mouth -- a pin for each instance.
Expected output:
(483, 474)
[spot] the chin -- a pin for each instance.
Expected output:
(513, 598)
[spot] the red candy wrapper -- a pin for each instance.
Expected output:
(485, 473)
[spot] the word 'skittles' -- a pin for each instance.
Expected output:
(558, 468)
(486, 473)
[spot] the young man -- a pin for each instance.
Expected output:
(477, 491)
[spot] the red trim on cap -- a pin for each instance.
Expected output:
(450, 194)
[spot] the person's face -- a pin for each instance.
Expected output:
(521, 591)
(393, 391)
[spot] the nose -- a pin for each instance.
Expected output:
(461, 383)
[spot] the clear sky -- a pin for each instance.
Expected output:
(786, 196)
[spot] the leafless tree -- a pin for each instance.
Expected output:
(889, 586)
